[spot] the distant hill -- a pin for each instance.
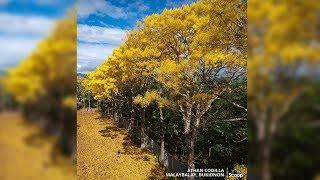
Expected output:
(82, 75)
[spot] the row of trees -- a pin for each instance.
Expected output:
(84, 97)
(187, 61)
(44, 86)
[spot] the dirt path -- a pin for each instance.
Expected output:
(26, 153)
(98, 143)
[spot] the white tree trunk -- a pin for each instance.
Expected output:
(161, 157)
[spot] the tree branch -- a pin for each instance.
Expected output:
(232, 120)
(231, 102)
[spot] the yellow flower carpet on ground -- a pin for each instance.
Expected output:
(105, 151)
(27, 153)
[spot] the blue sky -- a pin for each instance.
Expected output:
(102, 25)
(23, 23)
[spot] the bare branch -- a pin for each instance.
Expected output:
(181, 107)
(240, 140)
(231, 102)
(208, 106)
(232, 120)
(277, 115)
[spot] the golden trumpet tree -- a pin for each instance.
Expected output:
(162, 102)
(102, 82)
(140, 59)
(204, 52)
(47, 69)
(283, 43)
(44, 83)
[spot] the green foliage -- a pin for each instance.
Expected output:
(297, 147)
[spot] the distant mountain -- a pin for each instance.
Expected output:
(81, 75)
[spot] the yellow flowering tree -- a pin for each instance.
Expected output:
(282, 46)
(204, 52)
(44, 82)
(162, 102)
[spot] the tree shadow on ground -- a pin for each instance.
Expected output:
(132, 149)
(56, 158)
(37, 139)
(113, 131)
(109, 131)
(102, 118)
(157, 172)
(64, 163)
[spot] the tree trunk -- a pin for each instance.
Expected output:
(265, 160)
(119, 113)
(108, 110)
(264, 148)
(89, 103)
(143, 129)
(131, 124)
(161, 157)
(189, 134)
(84, 103)
(267, 150)
(190, 141)
(115, 111)
(111, 109)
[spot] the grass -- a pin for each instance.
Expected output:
(105, 151)
(27, 153)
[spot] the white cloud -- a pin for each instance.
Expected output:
(27, 25)
(96, 34)
(178, 3)
(139, 6)
(19, 35)
(100, 7)
(89, 55)
(96, 44)
(15, 49)
(103, 8)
